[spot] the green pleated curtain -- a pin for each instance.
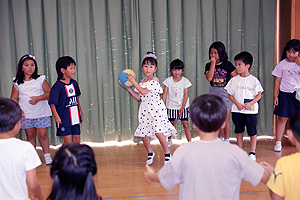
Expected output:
(107, 36)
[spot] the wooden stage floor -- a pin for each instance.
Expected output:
(120, 171)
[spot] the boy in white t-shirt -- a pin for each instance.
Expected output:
(244, 90)
(18, 159)
(199, 166)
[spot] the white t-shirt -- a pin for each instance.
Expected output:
(244, 89)
(209, 170)
(176, 92)
(16, 158)
(29, 89)
(289, 72)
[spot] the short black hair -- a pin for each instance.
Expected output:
(176, 64)
(63, 62)
(10, 114)
(72, 170)
(291, 44)
(245, 57)
(220, 47)
(208, 112)
(295, 125)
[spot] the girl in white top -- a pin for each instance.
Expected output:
(287, 81)
(153, 119)
(176, 97)
(32, 91)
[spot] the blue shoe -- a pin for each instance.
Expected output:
(226, 140)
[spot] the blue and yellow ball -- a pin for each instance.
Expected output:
(123, 77)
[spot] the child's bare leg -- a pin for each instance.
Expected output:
(67, 139)
(44, 140)
(227, 126)
(253, 141)
(31, 136)
(147, 144)
(173, 123)
(76, 138)
(187, 130)
(280, 127)
(162, 139)
(221, 133)
(239, 139)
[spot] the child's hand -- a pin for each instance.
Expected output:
(213, 60)
(130, 78)
(148, 174)
(58, 120)
(297, 61)
(275, 101)
(269, 168)
(181, 111)
(23, 114)
(247, 106)
(240, 106)
(33, 100)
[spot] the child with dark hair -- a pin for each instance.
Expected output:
(287, 82)
(18, 159)
(244, 90)
(199, 166)
(64, 101)
(176, 98)
(218, 72)
(32, 91)
(284, 182)
(72, 170)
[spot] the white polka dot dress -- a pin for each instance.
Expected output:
(153, 113)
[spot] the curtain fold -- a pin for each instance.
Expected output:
(106, 36)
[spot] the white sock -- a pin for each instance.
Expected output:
(47, 155)
(278, 142)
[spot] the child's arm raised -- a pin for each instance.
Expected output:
(238, 105)
(45, 96)
(248, 105)
(185, 98)
(55, 114)
(276, 90)
(133, 93)
(164, 95)
(210, 73)
(34, 184)
(143, 91)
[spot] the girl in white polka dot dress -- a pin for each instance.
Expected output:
(153, 119)
(32, 91)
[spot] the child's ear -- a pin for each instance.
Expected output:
(248, 66)
(62, 70)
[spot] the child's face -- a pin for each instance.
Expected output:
(69, 72)
(241, 68)
(214, 53)
(148, 69)
(28, 67)
(291, 55)
(176, 72)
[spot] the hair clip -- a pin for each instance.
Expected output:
(29, 56)
(150, 55)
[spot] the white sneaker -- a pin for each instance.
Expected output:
(169, 142)
(150, 158)
(48, 159)
(253, 157)
(277, 147)
(167, 159)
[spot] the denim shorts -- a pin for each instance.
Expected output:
(221, 92)
(42, 122)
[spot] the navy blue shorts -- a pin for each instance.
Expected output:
(241, 120)
(287, 104)
(69, 130)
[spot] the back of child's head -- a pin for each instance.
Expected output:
(220, 47)
(63, 62)
(150, 58)
(245, 57)
(292, 44)
(10, 114)
(208, 112)
(176, 64)
(20, 74)
(72, 170)
(295, 125)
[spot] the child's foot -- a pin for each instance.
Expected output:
(150, 158)
(169, 142)
(227, 140)
(48, 159)
(252, 156)
(167, 158)
(278, 147)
